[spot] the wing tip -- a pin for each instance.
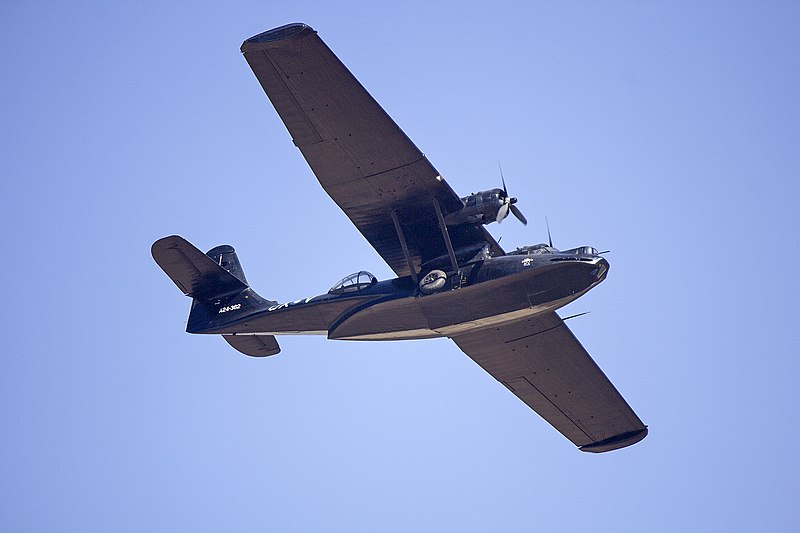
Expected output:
(616, 442)
(281, 33)
(165, 243)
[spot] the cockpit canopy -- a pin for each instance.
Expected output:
(354, 283)
(582, 250)
(545, 249)
(535, 249)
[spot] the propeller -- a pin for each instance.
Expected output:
(508, 203)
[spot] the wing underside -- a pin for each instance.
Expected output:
(544, 365)
(362, 159)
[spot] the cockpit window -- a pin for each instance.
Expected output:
(542, 249)
(583, 250)
(354, 283)
(535, 249)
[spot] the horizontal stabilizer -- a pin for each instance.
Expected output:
(195, 273)
(254, 345)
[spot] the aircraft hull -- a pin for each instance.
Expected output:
(481, 294)
(497, 301)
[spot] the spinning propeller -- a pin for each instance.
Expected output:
(508, 203)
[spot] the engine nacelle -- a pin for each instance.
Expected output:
(479, 208)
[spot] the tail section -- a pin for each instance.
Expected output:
(225, 256)
(220, 294)
(196, 274)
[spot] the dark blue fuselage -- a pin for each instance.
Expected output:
(484, 292)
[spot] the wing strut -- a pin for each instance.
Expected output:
(404, 246)
(445, 235)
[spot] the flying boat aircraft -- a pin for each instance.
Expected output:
(453, 279)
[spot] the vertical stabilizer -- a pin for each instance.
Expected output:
(225, 256)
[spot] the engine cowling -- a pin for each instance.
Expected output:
(485, 207)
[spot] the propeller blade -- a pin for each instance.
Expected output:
(508, 202)
(518, 214)
(503, 179)
(549, 238)
(502, 212)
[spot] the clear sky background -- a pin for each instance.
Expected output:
(665, 132)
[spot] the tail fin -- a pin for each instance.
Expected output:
(225, 256)
(195, 273)
(220, 294)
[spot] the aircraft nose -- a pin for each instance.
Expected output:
(601, 268)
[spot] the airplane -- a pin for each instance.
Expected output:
(453, 279)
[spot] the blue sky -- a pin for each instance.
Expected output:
(665, 132)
